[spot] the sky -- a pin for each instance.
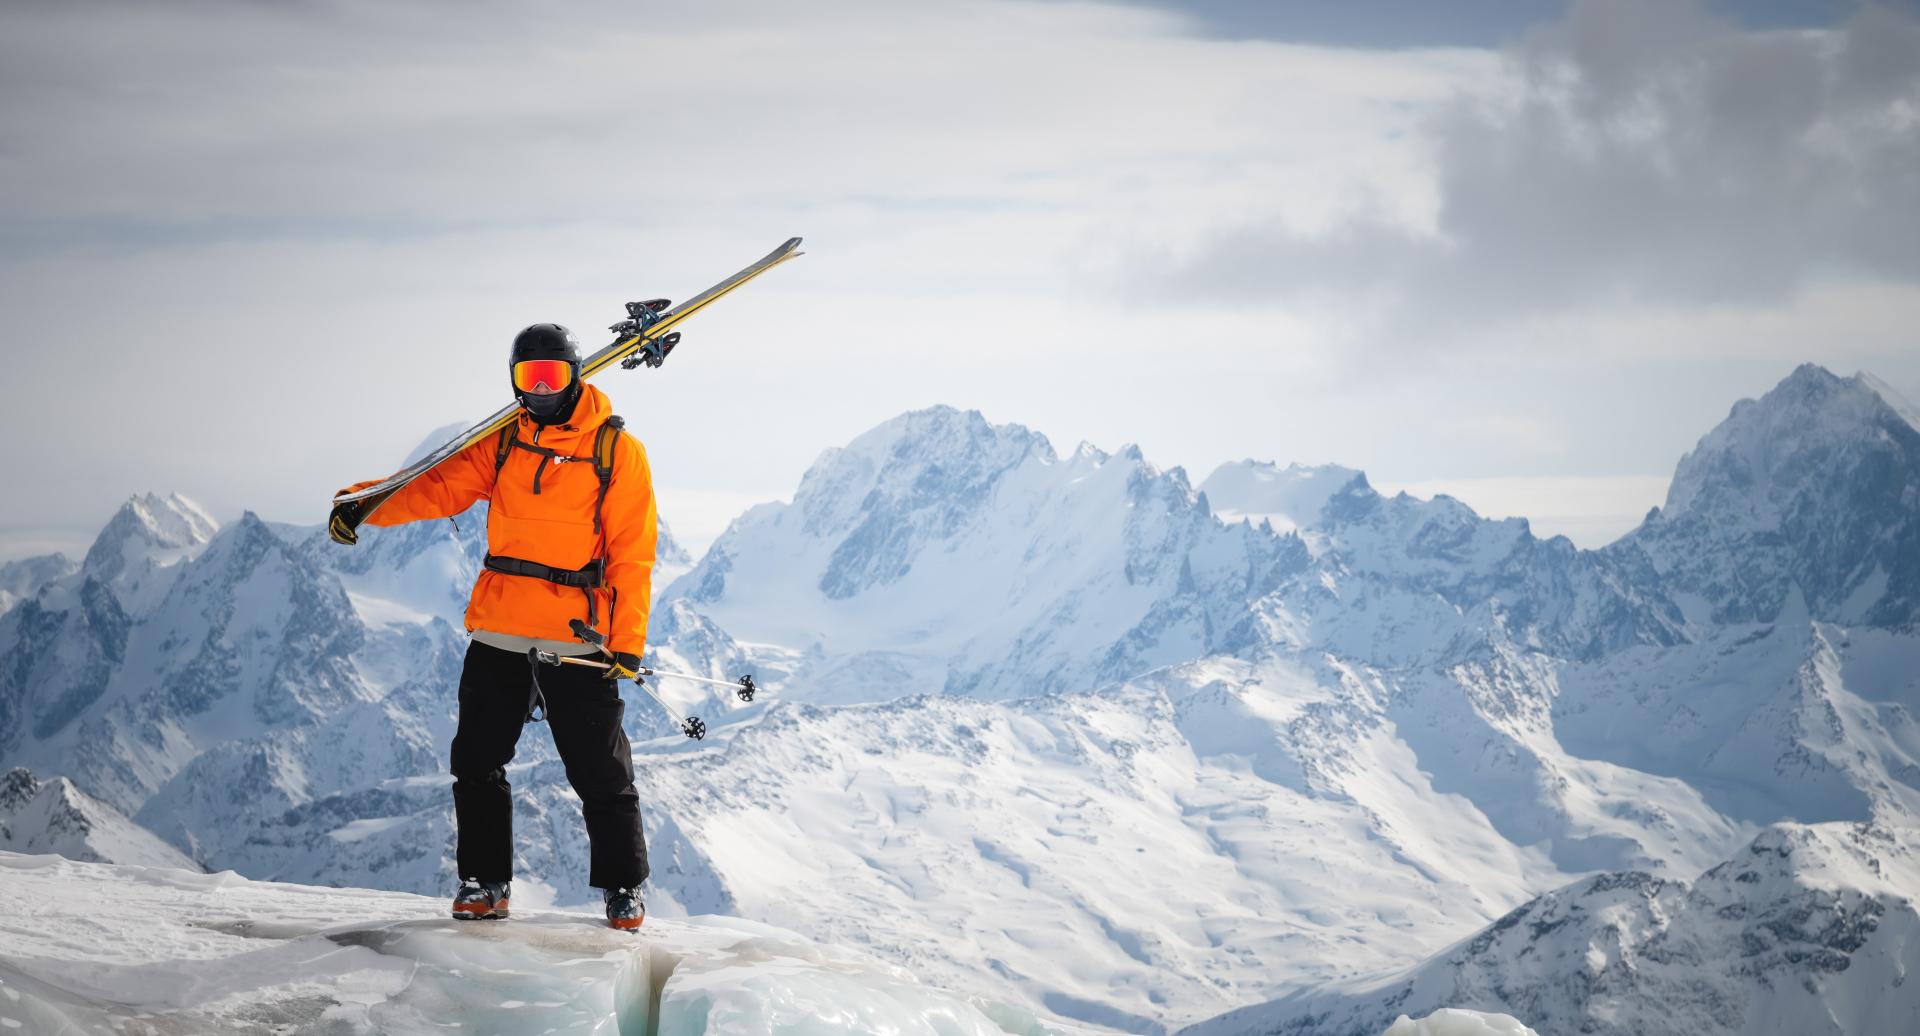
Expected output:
(1524, 252)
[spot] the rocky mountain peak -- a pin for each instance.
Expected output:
(55, 816)
(1815, 432)
(911, 461)
(148, 527)
(1814, 486)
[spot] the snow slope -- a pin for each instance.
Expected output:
(146, 949)
(1808, 930)
(95, 948)
(56, 817)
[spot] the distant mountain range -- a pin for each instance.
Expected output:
(1278, 745)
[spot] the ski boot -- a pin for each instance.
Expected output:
(625, 911)
(481, 900)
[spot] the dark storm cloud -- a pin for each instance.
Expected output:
(1377, 23)
(1456, 23)
(1647, 152)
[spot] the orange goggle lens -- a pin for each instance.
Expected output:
(542, 377)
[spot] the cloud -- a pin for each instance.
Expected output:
(252, 252)
(1638, 152)
(181, 122)
(1375, 24)
(317, 225)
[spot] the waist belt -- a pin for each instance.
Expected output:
(591, 576)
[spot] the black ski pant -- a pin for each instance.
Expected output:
(583, 709)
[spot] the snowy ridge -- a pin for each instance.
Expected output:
(147, 532)
(56, 817)
(1403, 581)
(1288, 499)
(1809, 929)
(940, 553)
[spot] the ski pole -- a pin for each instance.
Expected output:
(692, 726)
(744, 687)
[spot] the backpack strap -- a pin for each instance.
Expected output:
(501, 451)
(603, 442)
(509, 439)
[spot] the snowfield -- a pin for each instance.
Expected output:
(91, 947)
(97, 948)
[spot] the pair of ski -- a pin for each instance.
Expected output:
(644, 338)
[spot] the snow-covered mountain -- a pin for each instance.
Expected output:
(1287, 499)
(1808, 497)
(56, 817)
(21, 579)
(1810, 929)
(940, 553)
(61, 646)
(1159, 752)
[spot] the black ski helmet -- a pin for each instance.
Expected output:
(547, 342)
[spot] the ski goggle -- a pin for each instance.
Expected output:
(542, 377)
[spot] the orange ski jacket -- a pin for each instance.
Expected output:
(553, 527)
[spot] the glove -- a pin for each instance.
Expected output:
(624, 667)
(343, 520)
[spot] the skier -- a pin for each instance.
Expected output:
(571, 530)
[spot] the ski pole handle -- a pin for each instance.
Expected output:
(555, 658)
